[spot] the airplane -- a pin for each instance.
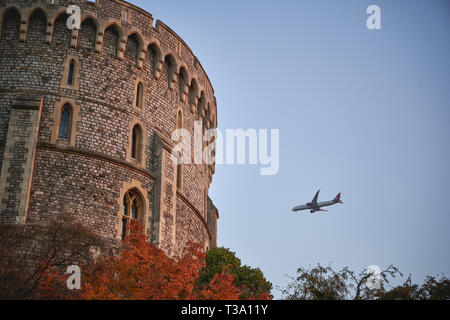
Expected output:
(315, 206)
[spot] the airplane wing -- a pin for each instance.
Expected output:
(316, 197)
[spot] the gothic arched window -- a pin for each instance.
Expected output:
(71, 73)
(37, 27)
(179, 120)
(61, 34)
(64, 124)
(136, 142)
(10, 30)
(132, 48)
(111, 41)
(179, 173)
(132, 210)
(169, 69)
(139, 95)
(182, 81)
(87, 35)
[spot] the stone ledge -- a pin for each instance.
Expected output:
(27, 102)
(90, 154)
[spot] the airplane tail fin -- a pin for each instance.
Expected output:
(337, 199)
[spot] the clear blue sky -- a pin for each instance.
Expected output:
(365, 113)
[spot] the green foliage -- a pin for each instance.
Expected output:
(252, 279)
(318, 283)
(323, 283)
(433, 288)
(436, 289)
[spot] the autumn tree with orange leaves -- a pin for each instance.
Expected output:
(143, 272)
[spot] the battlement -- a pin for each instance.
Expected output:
(129, 20)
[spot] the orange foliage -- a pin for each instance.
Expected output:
(51, 284)
(221, 288)
(143, 272)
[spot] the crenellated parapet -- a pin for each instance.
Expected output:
(159, 38)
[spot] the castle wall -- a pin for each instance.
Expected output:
(18, 158)
(213, 216)
(87, 174)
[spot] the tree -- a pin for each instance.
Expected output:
(407, 291)
(136, 271)
(29, 254)
(434, 288)
(358, 282)
(221, 287)
(318, 283)
(252, 281)
(324, 283)
(141, 271)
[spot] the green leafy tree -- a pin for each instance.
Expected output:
(324, 283)
(318, 283)
(434, 288)
(357, 282)
(252, 280)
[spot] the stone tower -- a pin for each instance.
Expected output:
(86, 118)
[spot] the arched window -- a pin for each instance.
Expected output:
(152, 56)
(64, 124)
(132, 210)
(182, 81)
(168, 70)
(179, 173)
(111, 41)
(136, 142)
(37, 27)
(87, 35)
(11, 26)
(201, 105)
(193, 94)
(179, 124)
(132, 49)
(139, 95)
(71, 73)
(61, 34)
(179, 120)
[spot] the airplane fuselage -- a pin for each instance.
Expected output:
(315, 206)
